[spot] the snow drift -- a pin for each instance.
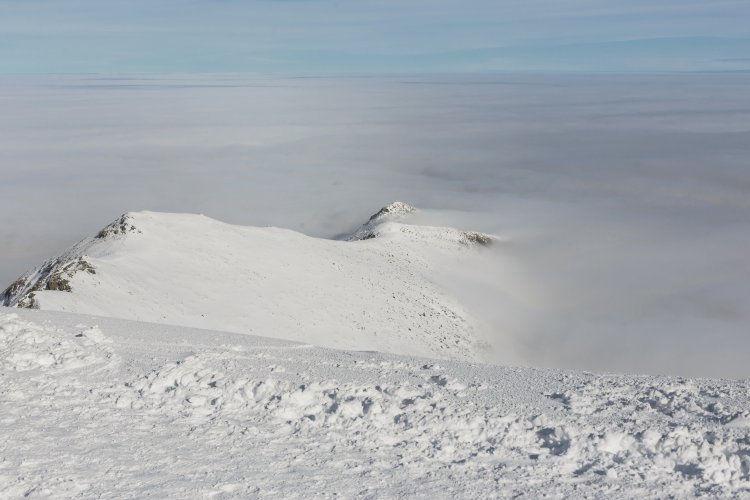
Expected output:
(95, 407)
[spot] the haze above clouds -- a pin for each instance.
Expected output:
(373, 36)
(622, 200)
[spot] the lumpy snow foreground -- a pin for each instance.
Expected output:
(94, 407)
(374, 291)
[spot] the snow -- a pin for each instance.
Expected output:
(93, 406)
(376, 294)
(322, 368)
(396, 211)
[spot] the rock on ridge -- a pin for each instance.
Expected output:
(122, 226)
(397, 211)
(55, 274)
(393, 212)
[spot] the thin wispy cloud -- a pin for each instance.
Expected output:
(371, 36)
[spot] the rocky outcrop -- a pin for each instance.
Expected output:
(475, 238)
(393, 212)
(120, 227)
(54, 275)
(398, 211)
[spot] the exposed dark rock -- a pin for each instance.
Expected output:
(395, 208)
(28, 302)
(60, 280)
(475, 238)
(120, 227)
(394, 211)
(58, 283)
(12, 291)
(54, 276)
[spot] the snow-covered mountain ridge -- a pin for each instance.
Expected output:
(372, 292)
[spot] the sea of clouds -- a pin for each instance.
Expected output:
(622, 202)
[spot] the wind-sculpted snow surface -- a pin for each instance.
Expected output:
(26, 346)
(96, 406)
(191, 270)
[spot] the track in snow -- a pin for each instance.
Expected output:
(90, 406)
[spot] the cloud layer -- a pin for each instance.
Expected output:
(623, 201)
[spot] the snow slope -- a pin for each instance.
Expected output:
(372, 292)
(94, 407)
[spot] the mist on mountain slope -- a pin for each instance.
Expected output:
(621, 202)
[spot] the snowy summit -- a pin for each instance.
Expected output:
(372, 292)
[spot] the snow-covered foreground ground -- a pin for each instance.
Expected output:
(97, 406)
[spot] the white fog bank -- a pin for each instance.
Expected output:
(622, 203)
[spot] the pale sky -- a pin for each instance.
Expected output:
(373, 36)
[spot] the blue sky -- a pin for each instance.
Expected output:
(373, 36)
